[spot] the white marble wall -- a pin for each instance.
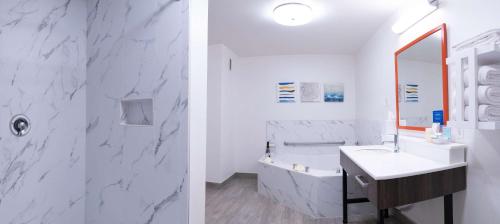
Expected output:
(42, 75)
(369, 132)
(137, 49)
(279, 132)
(362, 132)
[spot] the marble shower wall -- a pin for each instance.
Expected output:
(43, 75)
(137, 50)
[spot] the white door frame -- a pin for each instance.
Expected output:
(198, 44)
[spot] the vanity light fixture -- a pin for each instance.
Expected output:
(415, 15)
(293, 14)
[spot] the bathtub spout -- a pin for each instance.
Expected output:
(268, 150)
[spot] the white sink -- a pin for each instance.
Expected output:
(415, 158)
(377, 149)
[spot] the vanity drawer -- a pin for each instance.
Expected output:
(360, 177)
(412, 189)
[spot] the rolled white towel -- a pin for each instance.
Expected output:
(466, 96)
(489, 75)
(467, 113)
(466, 80)
(488, 95)
(489, 113)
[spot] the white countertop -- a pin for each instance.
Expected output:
(384, 164)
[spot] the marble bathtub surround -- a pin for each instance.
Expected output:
(319, 192)
(306, 131)
(361, 132)
(369, 132)
(316, 195)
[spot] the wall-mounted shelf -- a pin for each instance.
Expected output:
(482, 125)
(488, 54)
(464, 69)
(489, 125)
(137, 112)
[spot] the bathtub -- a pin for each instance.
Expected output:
(317, 193)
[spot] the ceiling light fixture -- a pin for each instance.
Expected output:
(414, 15)
(293, 14)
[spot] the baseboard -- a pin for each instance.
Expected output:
(218, 185)
(245, 175)
(235, 175)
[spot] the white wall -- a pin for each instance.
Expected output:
(251, 92)
(214, 112)
(220, 159)
(375, 92)
(240, 102)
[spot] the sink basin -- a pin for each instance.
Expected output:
(374, 150)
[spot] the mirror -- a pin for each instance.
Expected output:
(422, 81)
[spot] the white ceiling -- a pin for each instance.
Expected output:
(340, 26)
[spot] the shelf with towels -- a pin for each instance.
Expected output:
(475, 83)
(489, 125)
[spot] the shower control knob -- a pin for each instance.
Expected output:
(20, 125)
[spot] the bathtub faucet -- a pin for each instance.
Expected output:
(268, 150)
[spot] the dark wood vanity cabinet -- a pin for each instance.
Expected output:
(390, 193)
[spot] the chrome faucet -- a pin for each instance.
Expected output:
(396, 142)
(396, 148)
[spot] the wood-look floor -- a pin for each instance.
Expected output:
(237, 202)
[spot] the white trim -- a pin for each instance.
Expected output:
(198, 45)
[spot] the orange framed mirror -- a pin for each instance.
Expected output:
(422, 81)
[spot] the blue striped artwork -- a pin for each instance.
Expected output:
(286, 92)
(411, 93)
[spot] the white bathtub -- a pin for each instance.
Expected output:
(317, 193)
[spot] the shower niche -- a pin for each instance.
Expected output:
(137, 112)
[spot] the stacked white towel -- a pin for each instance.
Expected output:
(489, 75)
(489, 113)
(485, 113)
(489, 95)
